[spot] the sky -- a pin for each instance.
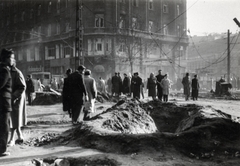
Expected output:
(208, 16)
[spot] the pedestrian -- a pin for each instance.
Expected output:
(102, 84)
(195, 87)
(91, 88)
(159, 88)
(54, 84)
(39, 85)
(166, 84)
(186, 86)
(120, 83)
(18, 116)
(6, 61)
(136, 84)
(30, 89)
(126, 85)
(115, 85)
(142, 89)
(78, 93)
(151, 86)
(66, 94)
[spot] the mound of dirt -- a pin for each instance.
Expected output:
(46, 98)
(195, 131)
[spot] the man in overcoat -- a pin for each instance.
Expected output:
(78, 93)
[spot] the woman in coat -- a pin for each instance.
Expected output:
(91, 89)
(18, 116)
(66, 93)
(151, 86)
(165, 83)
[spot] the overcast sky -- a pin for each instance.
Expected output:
(207, 16)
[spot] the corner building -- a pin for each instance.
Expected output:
(123, 36)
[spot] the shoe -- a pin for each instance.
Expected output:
(19, 141)
(4, 154)
(10, 143)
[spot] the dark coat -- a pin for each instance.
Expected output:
(30, 86)
(115, 85)
(151, 86)
(159, 79)
(195, 87)
(77, 88)
(5, 89)
(126, 85)
(186, 85)
(136, 84)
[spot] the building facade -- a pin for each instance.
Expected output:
(123, 36)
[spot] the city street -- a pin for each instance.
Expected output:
(45, 120)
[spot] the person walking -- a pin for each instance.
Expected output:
(18, 116)
(195, 87)
(30, 89)
(165, 83)
(91, 88)
(137, 83)
(78, 93)
(151, 86)
(6, 61)
(126, 85)
(186, 86)
(66, 93)
(159, 88)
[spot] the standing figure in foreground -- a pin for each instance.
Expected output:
(18, 116)
(126, 85)
(195, 87)
(91, 88)
(6, 61)
(30, 89)
(186, 86)
(159, 88)
(115, 85)
(165, 83)
(78, 93)
(102, 84)
(66, 93)
(151, 86)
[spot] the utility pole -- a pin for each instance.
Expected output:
(228, 57)
(79, 59)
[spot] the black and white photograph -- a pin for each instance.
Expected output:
(119, 82)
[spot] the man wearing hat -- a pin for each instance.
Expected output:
(159, 87)
(77, 93)
(115, 85)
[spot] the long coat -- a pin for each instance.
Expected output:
(91, 89)
(136, 83)
(195, 87)
(186, 85)
(165, 86)
(115, 85)
(66, 95)
(18, 114)
(151, 86)
(126, 85)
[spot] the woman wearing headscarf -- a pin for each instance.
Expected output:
(18, 116)
(151, 86)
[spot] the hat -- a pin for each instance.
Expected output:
(5, 54)
(87, 72)
(81, 67)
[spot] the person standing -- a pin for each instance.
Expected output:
(18, 116)
(91, 88)
(66, 93)
(195, 87)
(39, 85)
(137, 83)
(6, 61)
(30, 89)
(165, 83)
(54, 84)
(159, 88)
(115, 85)
(102, 84)
(126, 85)
(151, 86)
(186, 86)
(78, 93)
(120, 83)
